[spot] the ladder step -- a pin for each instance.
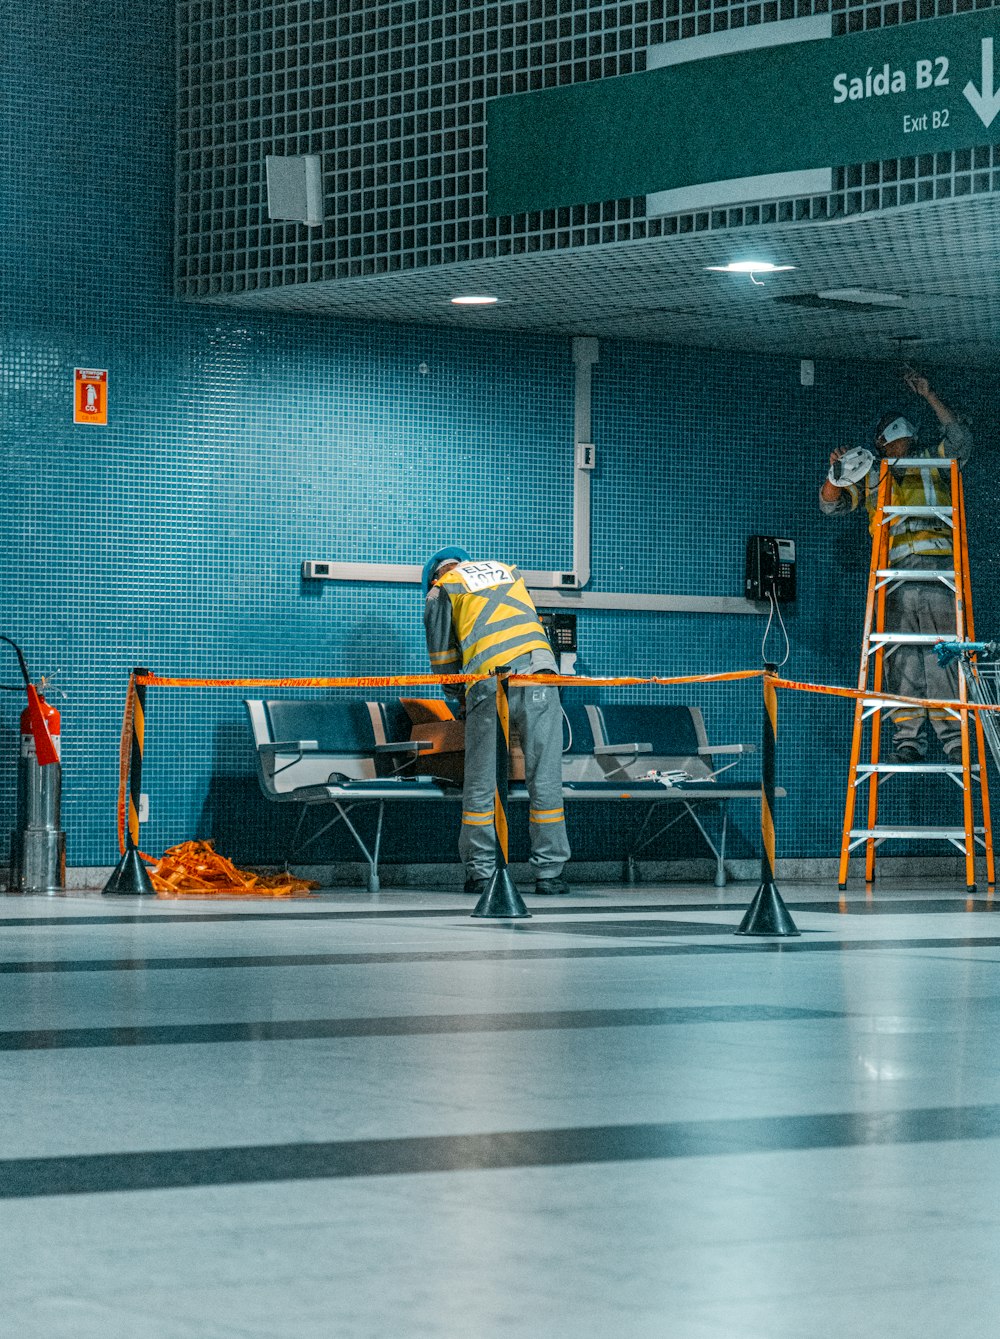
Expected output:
(907, 638)
(917, 511)
(926, 462)
(883, 704)
(917, 573)
(930, 834)
(938, 768)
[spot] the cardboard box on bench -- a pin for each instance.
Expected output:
(446, 757)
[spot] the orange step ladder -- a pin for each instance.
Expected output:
(877, 645)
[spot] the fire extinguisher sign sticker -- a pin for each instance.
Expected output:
(28, 749)
(90, 395)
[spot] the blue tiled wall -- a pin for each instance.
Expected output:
(237, 447)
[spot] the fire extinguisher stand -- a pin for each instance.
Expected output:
(38, 844)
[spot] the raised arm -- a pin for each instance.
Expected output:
(957, 438)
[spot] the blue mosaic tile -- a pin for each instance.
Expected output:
(237, 447)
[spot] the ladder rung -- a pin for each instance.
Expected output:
(917, 573)
(930, 834)
(907, 638)
(917, 511)
(938, 768)
(924, 462)
(889, 704)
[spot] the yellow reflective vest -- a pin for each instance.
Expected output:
(479, 616)
(914, 536)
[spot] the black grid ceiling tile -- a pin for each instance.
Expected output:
(393, 96)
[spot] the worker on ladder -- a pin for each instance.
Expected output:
(921, 542)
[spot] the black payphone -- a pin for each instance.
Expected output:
(770, 568)
(561, 631)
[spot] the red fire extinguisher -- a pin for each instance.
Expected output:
(50, 715)
(38, 845)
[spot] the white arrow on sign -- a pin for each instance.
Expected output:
(985, 104)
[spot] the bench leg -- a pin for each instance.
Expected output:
(630, 869)
(373, 879)
(637, 845)
(374, 885)
(718, 851)
(718, 848)
(297, 850)
(720, 870)
(298, 829)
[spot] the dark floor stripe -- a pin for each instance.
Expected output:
(462, 908)
(224, 962)
(154, 916)
(418, 1025)
(186, 1168)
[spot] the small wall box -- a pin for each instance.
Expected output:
(295, 188)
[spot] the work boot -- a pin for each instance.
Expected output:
(475, 887)
(551, 887)
(906, 753)
(953, 753)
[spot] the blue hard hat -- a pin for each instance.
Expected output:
(454, 553)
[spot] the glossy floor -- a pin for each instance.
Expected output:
(361, 1116)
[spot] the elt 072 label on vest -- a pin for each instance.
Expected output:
(482, 576)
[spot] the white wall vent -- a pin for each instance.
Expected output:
(295, 188)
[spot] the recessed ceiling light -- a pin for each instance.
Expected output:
(474, 300)
(866, 296)
(750, 267)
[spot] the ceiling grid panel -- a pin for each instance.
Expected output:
(393, 98)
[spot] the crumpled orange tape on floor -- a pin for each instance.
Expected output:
(195, 869)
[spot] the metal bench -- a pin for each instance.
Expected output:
(348, 753)
(341, 754)
(631, 740)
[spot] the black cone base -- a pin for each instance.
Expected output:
(130, 877)
(767, 914)
(501, 901)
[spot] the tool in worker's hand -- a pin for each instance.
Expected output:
(851, 467)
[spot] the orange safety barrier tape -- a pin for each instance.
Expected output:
(343, 681)
(834, 691)
(367, 681)
(408, 680)
(588, 681)
(198, 864)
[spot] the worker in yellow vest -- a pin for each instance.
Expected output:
(477, 617)
(917, 542)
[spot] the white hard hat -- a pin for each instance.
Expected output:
(895, 429)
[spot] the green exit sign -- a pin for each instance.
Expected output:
(917, 88)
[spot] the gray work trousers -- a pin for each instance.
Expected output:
(536, 714)
(914, 671)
